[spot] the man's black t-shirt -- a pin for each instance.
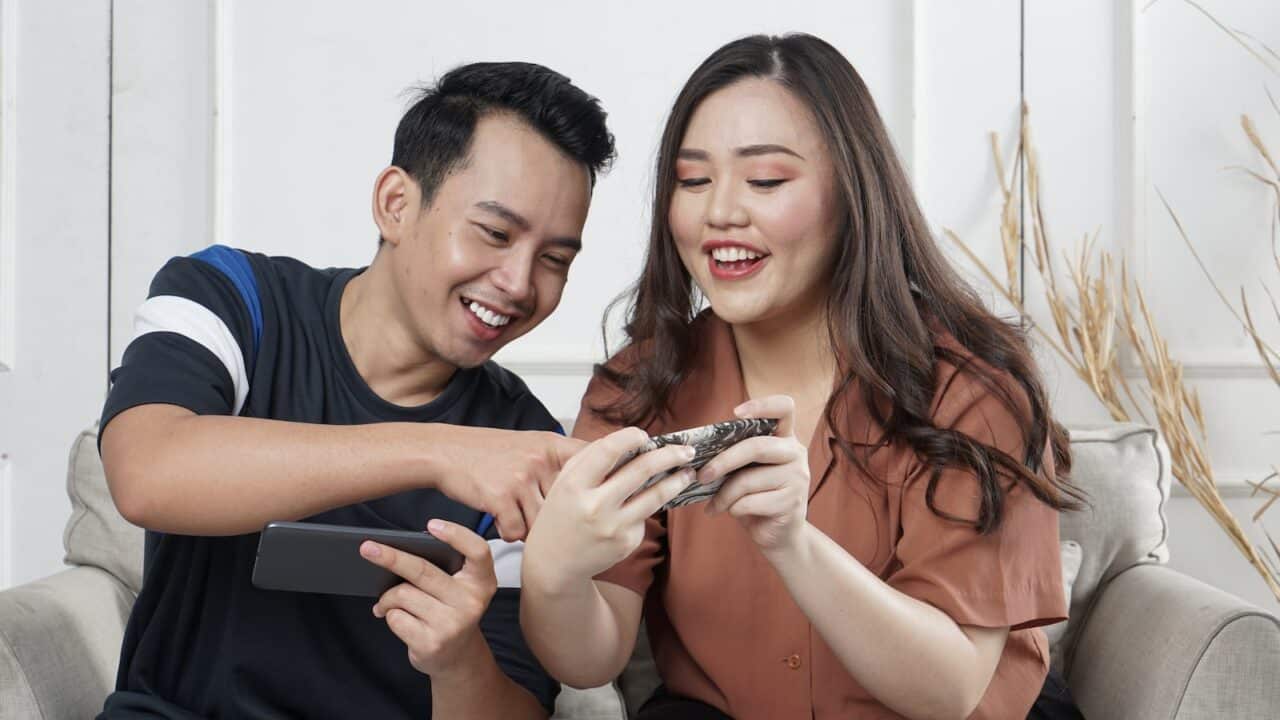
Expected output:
(234, 333)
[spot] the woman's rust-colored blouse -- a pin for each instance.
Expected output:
(724, 628)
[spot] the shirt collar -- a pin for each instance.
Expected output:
(714, 387)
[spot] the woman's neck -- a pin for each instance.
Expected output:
(791, 356)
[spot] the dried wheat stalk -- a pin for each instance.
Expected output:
(1083, 335)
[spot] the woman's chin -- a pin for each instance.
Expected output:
(739, 313)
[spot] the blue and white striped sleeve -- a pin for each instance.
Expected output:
(195, 338)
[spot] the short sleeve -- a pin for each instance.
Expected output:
(1010, 577)
(194, 338)
(635, 572)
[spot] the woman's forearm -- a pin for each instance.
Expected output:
(577, 630)
(908, 654)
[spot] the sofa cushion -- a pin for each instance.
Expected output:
(1071, 559)
(59, 643)
(1125, 470)
(598, 703)
(96, 534)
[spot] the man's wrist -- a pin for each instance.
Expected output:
(434, 453)
(473, 663)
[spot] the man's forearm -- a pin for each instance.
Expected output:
(478, 689)
(217, 475)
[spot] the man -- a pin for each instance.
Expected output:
(261, 389)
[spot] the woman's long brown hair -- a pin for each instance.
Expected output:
(890, 282)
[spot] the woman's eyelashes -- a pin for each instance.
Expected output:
(762, 184)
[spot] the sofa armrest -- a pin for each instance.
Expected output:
(60, 643)
(1159, 644)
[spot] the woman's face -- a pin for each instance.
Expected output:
(754, 213)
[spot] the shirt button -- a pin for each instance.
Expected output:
(792, 662)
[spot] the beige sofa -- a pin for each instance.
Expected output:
(1143, 641)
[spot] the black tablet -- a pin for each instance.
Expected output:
(315, 558)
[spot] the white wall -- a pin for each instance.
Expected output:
(263, 125)
(53, 65)
(1129, 97)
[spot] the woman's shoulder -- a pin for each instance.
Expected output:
(625, 378)
(607, 389)
(636, 353)
(967, 386)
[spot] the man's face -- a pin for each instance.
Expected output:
(488, 260)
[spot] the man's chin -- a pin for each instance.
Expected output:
(473, 357)
(469, 352)
(466, 361)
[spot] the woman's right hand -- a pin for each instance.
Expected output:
(587, 523)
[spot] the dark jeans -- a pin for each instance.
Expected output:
(665, 706)
(1054, 703)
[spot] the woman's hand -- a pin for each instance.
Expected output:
(587, 523)
(768, 491)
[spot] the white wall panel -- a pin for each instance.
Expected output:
(263, 125)
(161, 145)
(8, 176)
(1127, 97)
(1077, 67)
(59, 220)
(304, 132)
(1199, 82)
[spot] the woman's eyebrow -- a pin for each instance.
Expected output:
(744, 151)
(755, 150)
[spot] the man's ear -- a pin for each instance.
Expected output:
(394, 194)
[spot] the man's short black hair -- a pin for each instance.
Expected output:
(434, 136)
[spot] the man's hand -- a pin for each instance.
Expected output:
(435, 614)
(507, 474)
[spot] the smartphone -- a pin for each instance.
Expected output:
(707, 441)
(316, 558)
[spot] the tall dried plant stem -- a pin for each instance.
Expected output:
(1084, 336)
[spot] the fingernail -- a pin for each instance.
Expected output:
(376, 613)
(435, 527)
(370, 549)
(690, 452)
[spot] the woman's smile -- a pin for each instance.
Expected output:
(732, 260)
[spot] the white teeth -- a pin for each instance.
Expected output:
(487, 316)
(733, 254)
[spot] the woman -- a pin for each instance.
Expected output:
(892, 550)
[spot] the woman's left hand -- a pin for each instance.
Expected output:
(771, 498)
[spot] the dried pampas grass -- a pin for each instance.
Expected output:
(1085, 318)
